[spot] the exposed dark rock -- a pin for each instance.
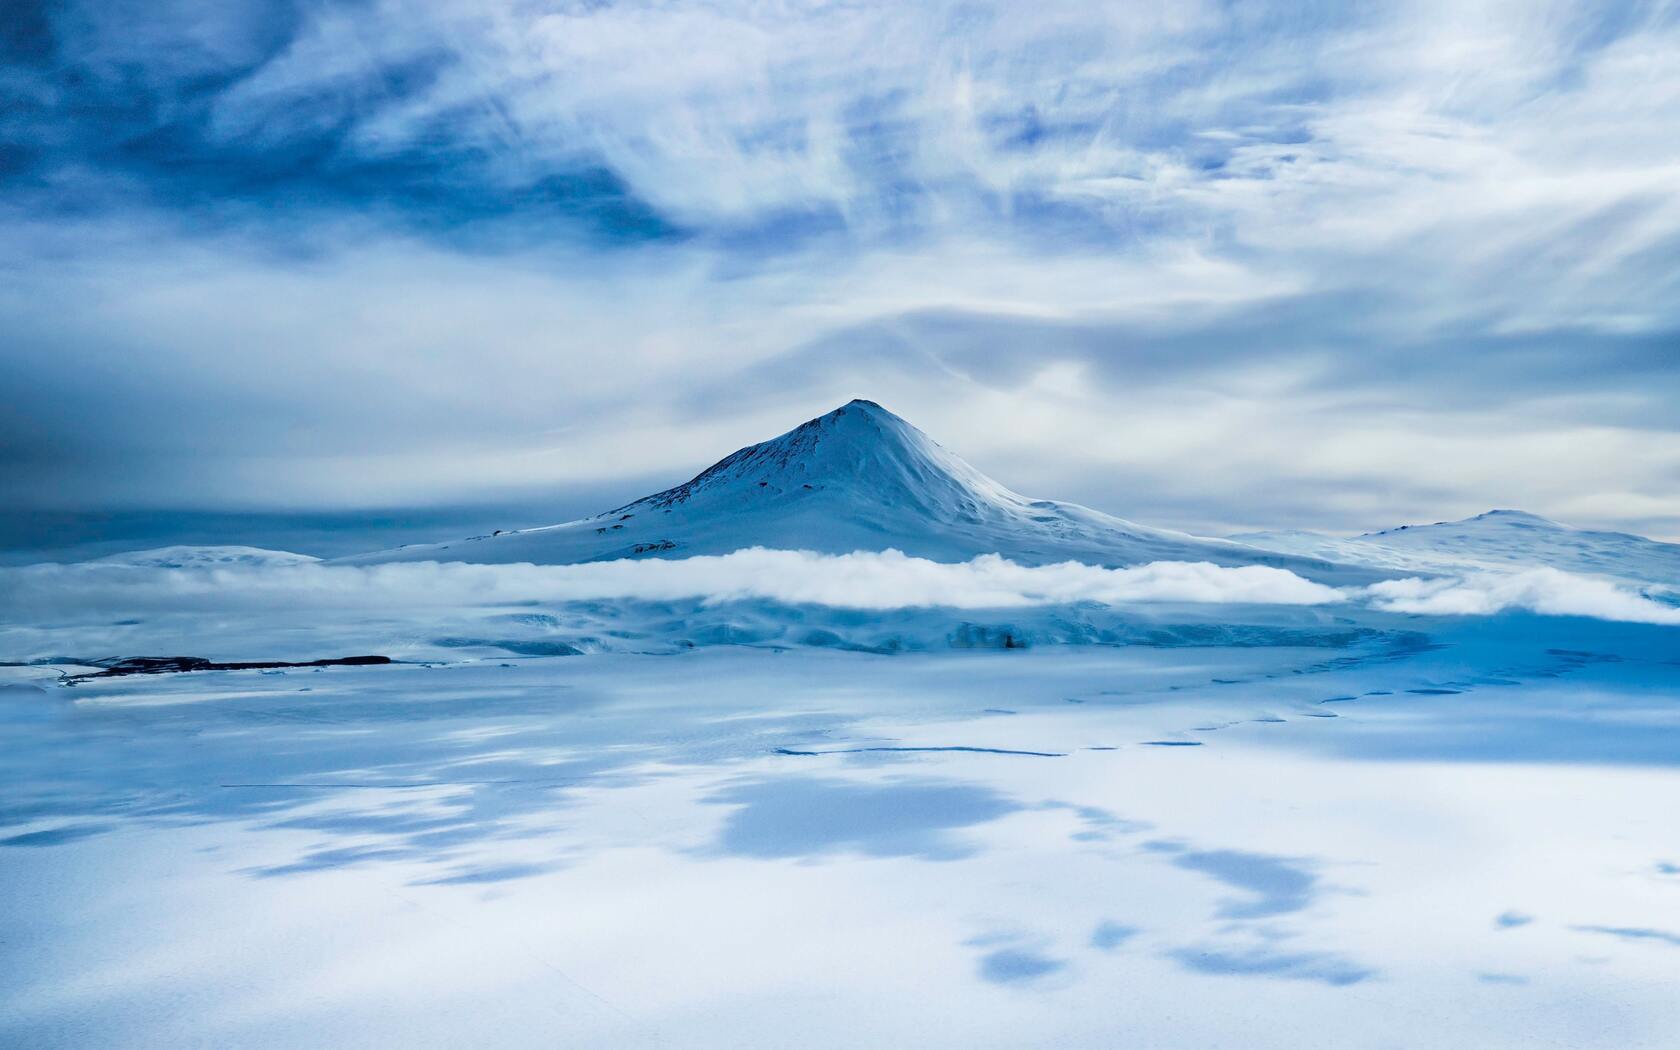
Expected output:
(114, 668)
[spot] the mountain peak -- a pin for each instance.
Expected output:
(1516, 516)
(859, 451)
(1502, 517)
(859, 412)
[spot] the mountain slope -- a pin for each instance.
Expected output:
(1498, 539)
(858, 478)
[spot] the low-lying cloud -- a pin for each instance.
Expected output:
(878, 581)
(862, 580)
(1540, 590)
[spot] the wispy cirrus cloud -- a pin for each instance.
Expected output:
(1268, 265)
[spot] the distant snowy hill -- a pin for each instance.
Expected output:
(188, 557)
(858, 478)
(1499, 539)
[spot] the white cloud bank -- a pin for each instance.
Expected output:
(862, 580)
(1540, 590)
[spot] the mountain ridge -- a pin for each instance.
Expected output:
(1500, 539)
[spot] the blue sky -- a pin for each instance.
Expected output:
(1216, 266)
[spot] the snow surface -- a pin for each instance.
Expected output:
(1450, 833)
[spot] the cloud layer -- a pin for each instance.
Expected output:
(863, 580)
(1215, 267)
(884, 580)
(1542, 590)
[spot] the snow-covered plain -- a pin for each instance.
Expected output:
(1174, 792)
(1453, 832)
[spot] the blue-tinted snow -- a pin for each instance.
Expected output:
(721, 846)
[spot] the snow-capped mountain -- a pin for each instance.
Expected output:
(195, 557)
(1498, 539)
(858, 478)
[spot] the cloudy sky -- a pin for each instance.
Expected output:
(1215, 266)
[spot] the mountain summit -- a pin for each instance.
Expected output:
(860, 454)
(857, 478)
